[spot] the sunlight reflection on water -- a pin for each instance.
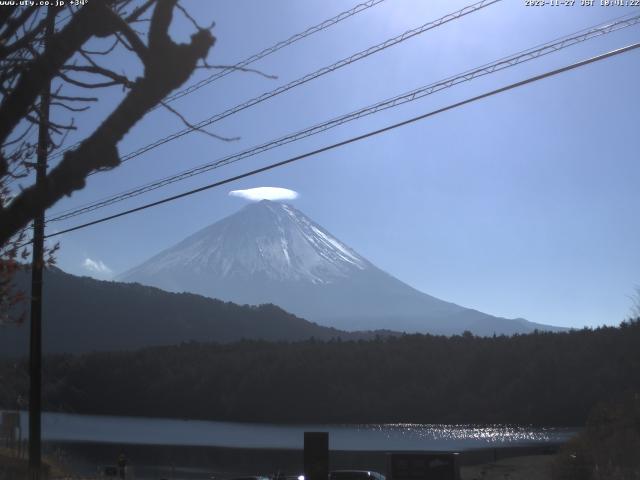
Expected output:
(483, 433)
(397, 436)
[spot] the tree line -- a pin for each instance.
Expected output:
(536, 379)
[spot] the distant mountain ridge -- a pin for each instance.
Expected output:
(81, 314)
(270, 252)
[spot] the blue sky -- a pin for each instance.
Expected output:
(521, 205)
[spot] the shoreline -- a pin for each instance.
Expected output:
(315, 423)
(367, 437)
(154, 461)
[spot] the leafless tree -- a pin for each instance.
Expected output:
(69, 59)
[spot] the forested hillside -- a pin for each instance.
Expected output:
(540, 378)
(81, 314)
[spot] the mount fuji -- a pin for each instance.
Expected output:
(270, 252)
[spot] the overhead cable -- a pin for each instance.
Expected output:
(355, 139)
(413, 95)
(262, 54)
(274, 48)
(312, 76)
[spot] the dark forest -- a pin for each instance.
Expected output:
(537, 379)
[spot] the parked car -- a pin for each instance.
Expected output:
(355, 475)
(286, 476)
(251, 477)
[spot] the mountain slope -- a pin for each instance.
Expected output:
(269, 252)
(81, 314)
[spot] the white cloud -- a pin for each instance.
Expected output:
(96, 266)
(265, 193)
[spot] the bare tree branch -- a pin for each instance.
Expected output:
(13, 24)
(195, 127)
(206, 66)
(101, 52)
(27, 38)
(56, 127)
(138, 12)
(44, 67)
(81, 84)
(166, 67)
(69, 107)
(118, 79)
(135, 43)
(74, 99)
(191, 19)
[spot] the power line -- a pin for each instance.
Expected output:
(357, 138)
(274, 48)
(311, 76)
(323, 71)
(501, 64)
(262, 54)
(498, 65)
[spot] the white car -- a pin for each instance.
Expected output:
(355, 475)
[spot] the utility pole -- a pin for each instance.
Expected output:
(35, 345)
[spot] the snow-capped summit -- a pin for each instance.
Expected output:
(265, 238)
(270, 252)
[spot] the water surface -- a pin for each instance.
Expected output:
(60, 427)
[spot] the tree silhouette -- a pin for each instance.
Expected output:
(535, 379)
(68, 58)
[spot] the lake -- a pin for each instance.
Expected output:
(61, 427)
